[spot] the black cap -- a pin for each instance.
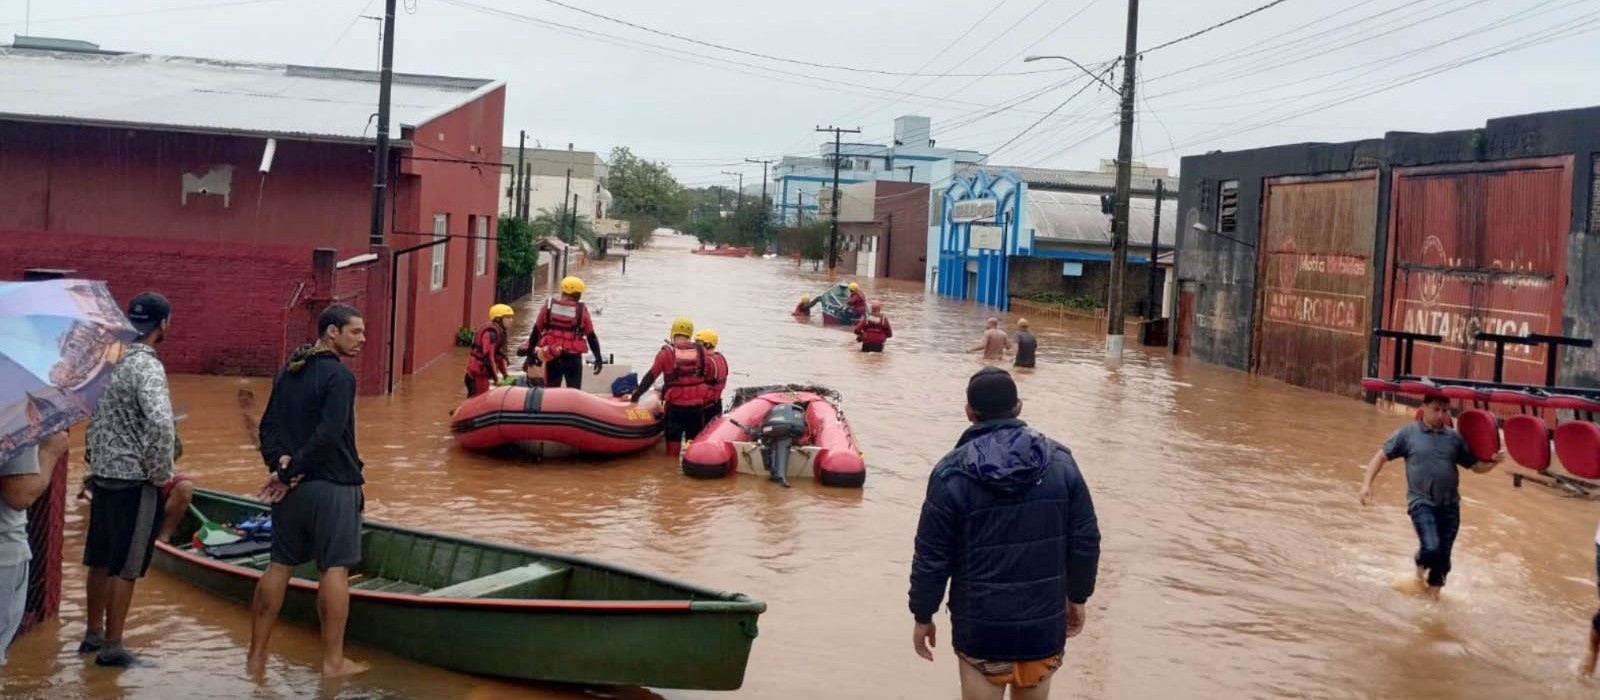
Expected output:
(147, 311)
(991, 393)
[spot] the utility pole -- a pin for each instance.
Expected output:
(738, 197)
(527, 190)
(566, 196)
(1152, 306)
(516, 176)
(1119, 216)
(380, 169)
(833, 234)
(799, 208)
(574, 216)
(761, 223)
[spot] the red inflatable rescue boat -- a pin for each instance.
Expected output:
(557, 422)
(803, 423)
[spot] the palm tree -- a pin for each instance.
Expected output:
(559, 223)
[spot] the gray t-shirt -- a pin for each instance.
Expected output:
(1432, 457)
(14, 523)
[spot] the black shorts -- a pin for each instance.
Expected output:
(318, 521)
(567, 369)
(685, 422)
(124, 517)
(872, 347)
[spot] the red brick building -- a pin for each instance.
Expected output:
(883, 229)
(243, 192)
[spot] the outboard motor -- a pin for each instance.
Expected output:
(784, 423)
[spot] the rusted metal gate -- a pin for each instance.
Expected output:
(1481, 247)
(1313, 307)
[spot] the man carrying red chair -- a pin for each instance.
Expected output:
(1433, 451)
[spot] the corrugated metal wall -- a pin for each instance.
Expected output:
(1313, 312)
(1478, 248)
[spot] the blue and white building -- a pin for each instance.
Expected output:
(1004, 231)
(912, 157)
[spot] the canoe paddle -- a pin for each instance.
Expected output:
(212, 534)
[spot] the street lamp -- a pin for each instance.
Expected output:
(1119, 217)
(1086, 71)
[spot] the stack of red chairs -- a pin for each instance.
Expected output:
(1528, 434)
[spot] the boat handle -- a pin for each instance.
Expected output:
(748, 628)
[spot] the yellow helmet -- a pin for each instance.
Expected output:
(682, 326)
(855, 287)
(571, 285)
(706, 337)
(499, 310)
(805, 300)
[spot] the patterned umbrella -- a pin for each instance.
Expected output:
(58, 342)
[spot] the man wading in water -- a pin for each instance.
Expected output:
(308, 440)
(1008, 523)
(1433, 451)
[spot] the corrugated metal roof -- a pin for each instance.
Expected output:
(196, 94)
(1075, 218)
(1073, 179)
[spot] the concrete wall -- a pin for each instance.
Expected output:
(1222, 270)
(1043, 275)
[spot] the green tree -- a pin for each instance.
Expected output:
(517, 258)
(642, 189)
(557, 224)
(811, 242)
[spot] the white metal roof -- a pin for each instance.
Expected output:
(204, 95)
(1074, 217)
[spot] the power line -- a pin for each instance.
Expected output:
(755, 54)
(1213, 27)
(1047, 115)
(822, 83)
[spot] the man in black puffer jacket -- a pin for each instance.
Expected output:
(1008, 522)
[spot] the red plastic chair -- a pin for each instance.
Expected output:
(1379, 386)
(1520, 399)
(1481, 431)
(1465, 393)
(1416, 388)
(1528, 441)
(1577, 404)
(1578, 446)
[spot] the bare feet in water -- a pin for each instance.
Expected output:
(345, 667)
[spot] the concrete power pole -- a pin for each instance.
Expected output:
(761, 223)
(833, 233)
(380, 170)
(1153, 304)
(1119, 218)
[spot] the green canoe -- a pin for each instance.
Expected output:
(500, 610)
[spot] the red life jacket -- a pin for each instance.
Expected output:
(565, 329)
(874, 329)
(479, 362)
(689, 382)
(719, 367)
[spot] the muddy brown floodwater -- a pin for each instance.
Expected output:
(1237, 562)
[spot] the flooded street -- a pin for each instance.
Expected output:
(1236, 560)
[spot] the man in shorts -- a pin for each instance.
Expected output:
(1008, 523)
(130, 447)
(308, 441)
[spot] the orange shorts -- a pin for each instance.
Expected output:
(1023, 674)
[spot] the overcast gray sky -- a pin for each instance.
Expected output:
(1304, 70)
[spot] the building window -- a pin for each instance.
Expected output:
(441, 231)
(1228, 206)
(482, 242)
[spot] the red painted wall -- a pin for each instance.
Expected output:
(229, 300)
(125, 182)
(462, 191)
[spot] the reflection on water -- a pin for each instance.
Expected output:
(1237, 563)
